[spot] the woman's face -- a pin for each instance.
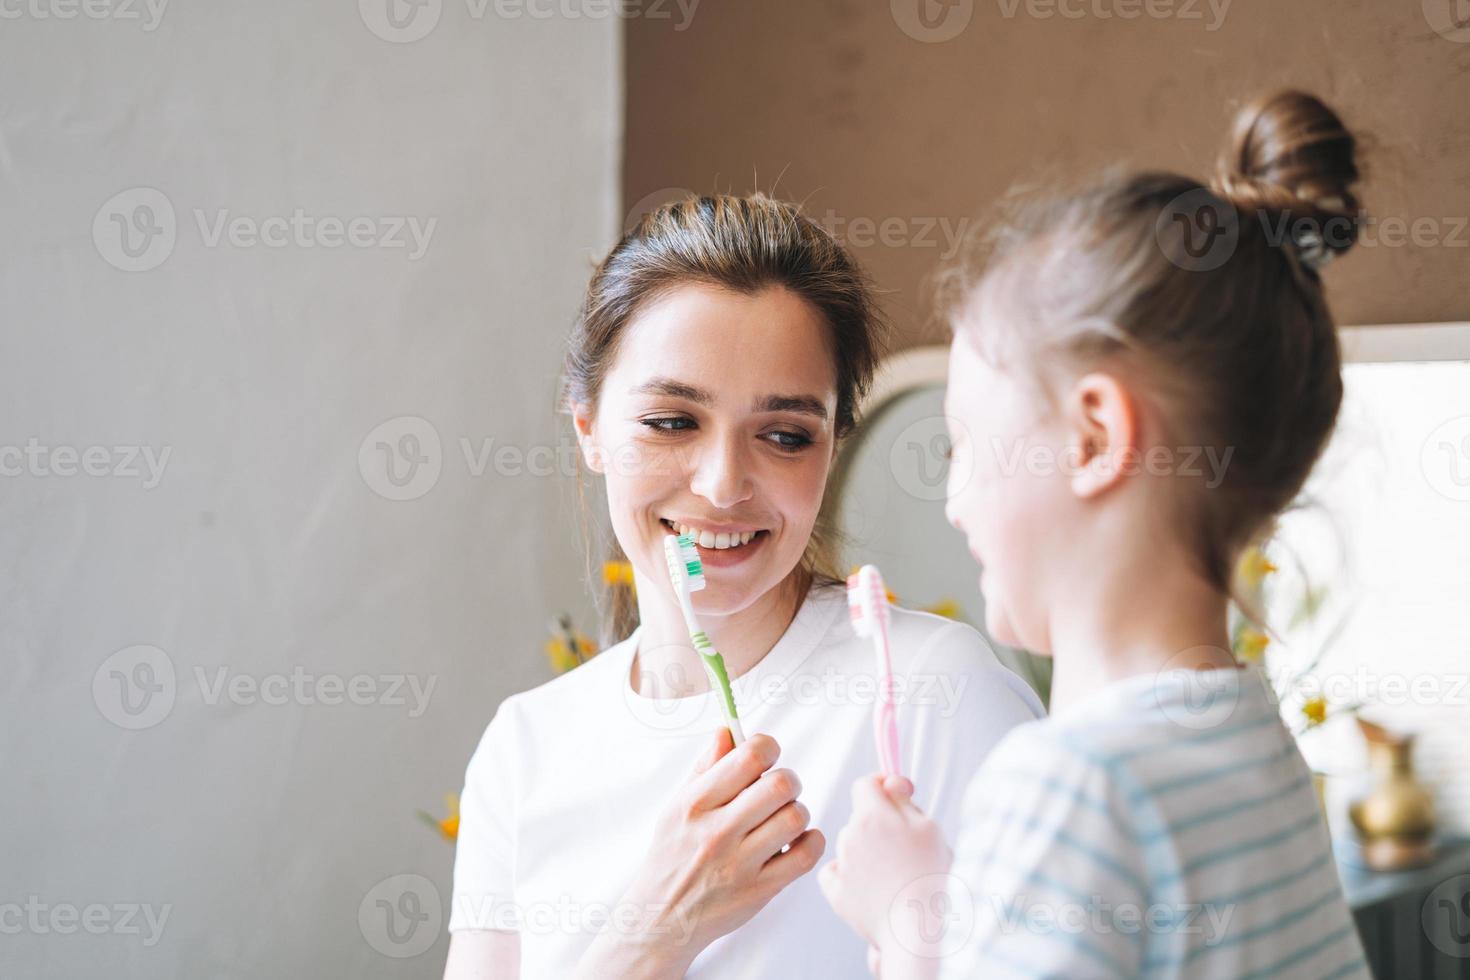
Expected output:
(716, 419)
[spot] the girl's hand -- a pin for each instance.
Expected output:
(888, 850)
(716, 859)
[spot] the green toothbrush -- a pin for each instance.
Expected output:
(686, 571)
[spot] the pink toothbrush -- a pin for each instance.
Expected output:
(867, 601)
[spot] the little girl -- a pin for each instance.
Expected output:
(1140, 381)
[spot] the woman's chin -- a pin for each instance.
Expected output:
(732, 590)
(729, 590)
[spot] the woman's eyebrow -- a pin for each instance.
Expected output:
(669, 388)
(674, 389)
(801, 404)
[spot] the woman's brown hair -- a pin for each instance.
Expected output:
(743, 244)
(1212, 291)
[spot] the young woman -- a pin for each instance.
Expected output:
(1162, 822)
(608, 827)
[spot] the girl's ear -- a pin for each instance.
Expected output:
(587, 442)
(1103, 438)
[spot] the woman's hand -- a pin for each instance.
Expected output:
(716, 860)
(890, 865)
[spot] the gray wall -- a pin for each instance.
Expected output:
(263, 550)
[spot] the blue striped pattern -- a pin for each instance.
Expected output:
(1114, 841)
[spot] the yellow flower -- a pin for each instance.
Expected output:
(617, 573)
(947, 608)
(1250, 644)
(561, 655)
(887, 592)
(1315, 710)
(449, 826)
(1255, 566)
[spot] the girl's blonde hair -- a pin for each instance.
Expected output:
(1212, 290)
(744, 244)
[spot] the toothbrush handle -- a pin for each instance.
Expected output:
(714, 665)
(885, 716)
(885, 732)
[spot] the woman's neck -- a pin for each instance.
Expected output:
(666, 664)
(1112, 629)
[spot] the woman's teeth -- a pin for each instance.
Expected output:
(709, 539)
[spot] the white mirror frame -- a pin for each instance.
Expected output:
(1406, 342)
(922, 367)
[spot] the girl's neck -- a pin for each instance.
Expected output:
(666, 665)
(1114, 627)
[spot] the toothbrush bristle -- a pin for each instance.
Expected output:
(684, 562)
(855, 603)
(867, 600)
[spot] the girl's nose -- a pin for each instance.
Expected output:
(952, 512)
(720, 474)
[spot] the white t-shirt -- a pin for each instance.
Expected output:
(1164, 827)
(561, 796)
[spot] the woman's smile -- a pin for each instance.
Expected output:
(721, 546)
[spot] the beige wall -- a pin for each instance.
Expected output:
(857, 117)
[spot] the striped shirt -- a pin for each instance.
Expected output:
(1164, 827)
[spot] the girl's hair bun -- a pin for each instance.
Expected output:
(1291, 156)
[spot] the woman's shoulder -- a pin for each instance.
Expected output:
(911, 630)
(561, 699)
(927, 641)
(927, 634)
(597, 671)
(927, 645)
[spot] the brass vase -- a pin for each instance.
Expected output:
(1395, 818)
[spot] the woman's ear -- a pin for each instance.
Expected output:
(1103, 439)
(592, 453)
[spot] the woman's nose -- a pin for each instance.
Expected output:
(721, 475)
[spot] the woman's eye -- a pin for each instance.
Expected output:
(790, 441)
(674, 423)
